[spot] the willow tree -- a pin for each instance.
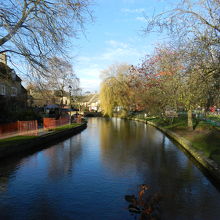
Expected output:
(115, 89)
(107, 97)
(38, 29)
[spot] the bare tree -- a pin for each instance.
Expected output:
(189, 18)
(61, 77)
(38, 29)
(60, 81)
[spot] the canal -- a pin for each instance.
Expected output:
(87, 176)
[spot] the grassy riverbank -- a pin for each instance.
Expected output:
(16, 144)
(7, 142)
(204, 137)
(64, 127)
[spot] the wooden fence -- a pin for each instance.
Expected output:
(53, 123)
(18, 127)
(30, 127)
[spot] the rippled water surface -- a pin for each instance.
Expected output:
(88, 175)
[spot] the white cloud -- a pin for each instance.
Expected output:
(141, 19)
(115, 51)
(89, 77)
(121, 52)
(90, 72)
(84, 59)
(129, 1)
(91, 85)
(114, 43)
(135, 10)
(90, 68)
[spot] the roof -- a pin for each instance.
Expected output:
(5, 70)
(90, 98)
(94, 98)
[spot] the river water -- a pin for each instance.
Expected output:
(88, 175)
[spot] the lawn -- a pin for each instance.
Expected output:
(15, 140)
(204, 137)
(23, 139)
(68, 126)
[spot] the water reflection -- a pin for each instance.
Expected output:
(134, 147)
(88, 175)
(59, 162)
(61, 159)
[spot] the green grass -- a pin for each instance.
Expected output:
(15, 140)
(209, 143)
(204, 137)
(214, 117)
(61, 128)
(168, 123)
(8, 142)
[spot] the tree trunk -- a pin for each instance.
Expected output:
(190, 119)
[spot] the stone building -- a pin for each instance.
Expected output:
(13, 96)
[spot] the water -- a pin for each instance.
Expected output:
(88, 175)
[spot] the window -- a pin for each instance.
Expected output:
(13, 75)
(13, 91)
(2, 90)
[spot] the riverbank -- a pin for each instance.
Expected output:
(203, 143)
(18, 144)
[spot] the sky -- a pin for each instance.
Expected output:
(115, 36)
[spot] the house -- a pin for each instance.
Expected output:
(13, 96)
(41, 97)
(94, 103)
(90, 103)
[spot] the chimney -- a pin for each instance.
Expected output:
(3, 58)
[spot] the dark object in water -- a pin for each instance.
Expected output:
(134, 209)
(147, 205)
(130, 198)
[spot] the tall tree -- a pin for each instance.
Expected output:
(59, 81)
(115, 90)
(195, 26)
(38, 29)
(61, 77)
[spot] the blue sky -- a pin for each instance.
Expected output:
(114, 37)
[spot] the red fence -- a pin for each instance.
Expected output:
(30, 127)
(8, 128)
(52, 122)
(24, 126)
(18, 127)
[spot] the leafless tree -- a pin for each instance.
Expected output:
(60, 81)
(61, 77)
(38, 29)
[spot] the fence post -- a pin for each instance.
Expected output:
(18, 126)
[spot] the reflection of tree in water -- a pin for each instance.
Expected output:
(123, 144)
(8, 167)
(61, 157)
(128, 147)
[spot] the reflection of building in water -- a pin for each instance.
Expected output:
(3, 183)
(61, 157)
(8, 168)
